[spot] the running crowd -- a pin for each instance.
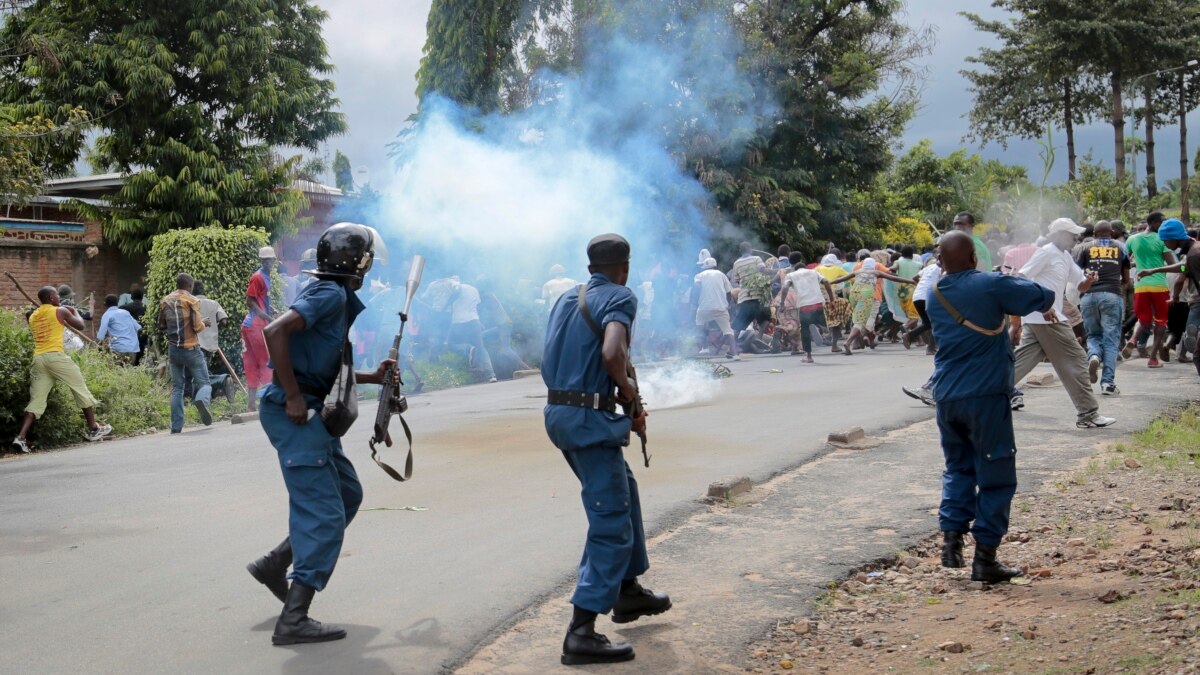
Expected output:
(1121, 294)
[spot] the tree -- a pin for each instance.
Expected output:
(468, 45)
(1021, 90)
(933, 189)
(342, 173)
(189, 98)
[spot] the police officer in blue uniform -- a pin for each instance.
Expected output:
(972, 380)
(587, 379)
(305, 345)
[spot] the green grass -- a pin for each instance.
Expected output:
(1168, 443)
(1138, 662)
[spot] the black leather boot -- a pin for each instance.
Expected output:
(271, 569)
(952, 550)
(987, 568)
(584, 645)
(294, 626)
(634, 602)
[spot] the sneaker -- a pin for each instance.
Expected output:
(1017, 402)
(99, 432)
(1109, 390)
(707, 351)
(1096, 421)
(1094, 368)
(21, 446)
(921, 394)
(1154, 363)
(732, 357)
(205, 415)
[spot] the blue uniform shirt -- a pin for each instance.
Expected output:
(120, 325)
(317, 350)
(969, 363)
(571, 362)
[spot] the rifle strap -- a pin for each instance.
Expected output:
(408, 463)
(581, 289)
(963, 321)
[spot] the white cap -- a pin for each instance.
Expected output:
(1065, 225)
(704, 256)
(709, 264)
(266, 252)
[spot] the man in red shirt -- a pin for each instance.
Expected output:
(258, 301)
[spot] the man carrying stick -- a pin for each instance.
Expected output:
(51, 364)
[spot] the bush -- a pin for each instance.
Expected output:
(127, 398)
(223, 259)
(447, 371)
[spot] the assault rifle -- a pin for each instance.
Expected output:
(635, 408)
(391, 398)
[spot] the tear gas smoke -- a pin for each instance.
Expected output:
(507, 196)
(678, 384)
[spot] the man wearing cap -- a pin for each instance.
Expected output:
(255, 360)
(1175, 237)
(1150, 293)
(1044, 335)
(710, 294)
(587, 377)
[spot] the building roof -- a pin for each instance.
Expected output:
(105, 184)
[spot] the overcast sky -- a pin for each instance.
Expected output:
(376, 47)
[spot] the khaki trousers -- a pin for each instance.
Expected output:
(1056, 341)
(56, 367)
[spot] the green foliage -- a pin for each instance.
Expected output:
(1097, 193)
(933, 189)
(342, 173)
(22, 149)
(223, 259)
(188, 97)
(447, 371)
(130, 399)
(469, 44)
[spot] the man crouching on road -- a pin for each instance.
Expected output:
(972, 380)
(587, 378)
(305, 346)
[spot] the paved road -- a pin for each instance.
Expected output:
(128, 556)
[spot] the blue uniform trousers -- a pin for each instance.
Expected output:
(616, 542)
(981, 466)
(323, 489)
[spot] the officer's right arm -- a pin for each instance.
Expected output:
(277, 335)
(1018, 297)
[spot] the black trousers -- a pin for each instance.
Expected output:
(925, 324)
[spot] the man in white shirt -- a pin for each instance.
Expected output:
(1047, 336)
(466, 331)
(809, 304)
(711, 293)
(559, 283)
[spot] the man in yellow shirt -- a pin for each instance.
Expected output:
(51, 364)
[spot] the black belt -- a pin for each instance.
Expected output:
(304, 388)
(582, 399)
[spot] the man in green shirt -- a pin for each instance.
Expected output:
(1150, 294)
(965, 222)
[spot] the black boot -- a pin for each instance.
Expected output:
(987, 568)
(271, 569)
(952, 550)
(634, 602)
(584, 645)
(294, 626)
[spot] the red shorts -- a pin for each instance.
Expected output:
(1151, 307)
(255, 357)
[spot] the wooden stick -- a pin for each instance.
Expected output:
(38, 304)
(232, 372)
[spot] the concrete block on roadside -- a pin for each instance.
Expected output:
(521, 374)
(1042, 380)
(729, 488)
(242, 418)
(848, 436)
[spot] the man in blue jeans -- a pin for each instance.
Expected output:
(1103, 305)
(179, 319)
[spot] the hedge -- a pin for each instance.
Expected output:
(224, 259)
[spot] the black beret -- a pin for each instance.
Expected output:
(608, 249)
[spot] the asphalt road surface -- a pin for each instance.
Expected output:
(128, 556)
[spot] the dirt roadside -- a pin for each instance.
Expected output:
(1112, 555)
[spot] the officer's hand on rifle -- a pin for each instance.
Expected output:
(639, 422)
(380, 373)
(626, 392)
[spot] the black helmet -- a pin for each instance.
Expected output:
(347, 251)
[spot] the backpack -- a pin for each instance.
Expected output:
(177, 316)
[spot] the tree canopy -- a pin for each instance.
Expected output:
(188, 97)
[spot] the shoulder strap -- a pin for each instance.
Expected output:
(962, 320)
(586, 314)
(408, 463)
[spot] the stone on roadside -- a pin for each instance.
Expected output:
(847, 436)
(951, 647)
(729, 488)
(1131, 463)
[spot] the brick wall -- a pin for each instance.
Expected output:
(42, 263)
